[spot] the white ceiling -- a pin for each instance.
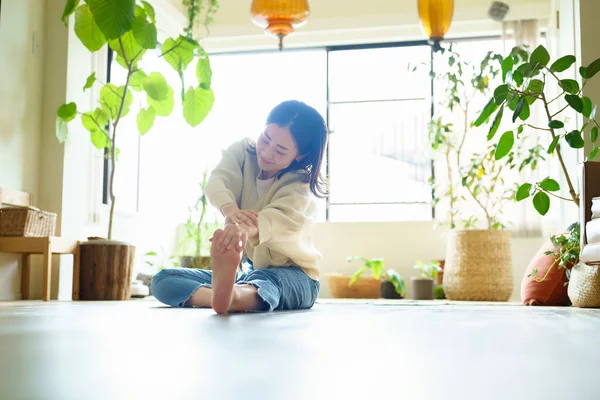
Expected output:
(376, 20)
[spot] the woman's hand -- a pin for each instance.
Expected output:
(232, 237)
(246, 217)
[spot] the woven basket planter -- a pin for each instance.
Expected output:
(478, 265)
(366, 287)
(584, 286)
(26, 222)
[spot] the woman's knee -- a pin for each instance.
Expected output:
(159, 282)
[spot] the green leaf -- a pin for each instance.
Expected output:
(518, 77)
(145, 34)
(575, 140)
(575, 102)
(156, 86)
(90, 81)
(114, 17)
(69, 9)
(145, 120)
(204, 72)
(569, 85)
(500, 94)
(67, 112)
(528, 70)
(583, 72)
(86, 29)
(555, 124)
(163, 107)
(197, 104)
(550, 185)
(96, 120)
(541, 202)
(150, 11)
(136, 82)
(513, 103)
(519, 108)
(593, 68)
(536, 86)
(110, 100)
(594, 134)
(179, 53)
(562, 63)
(356, 275)
(99, 140)
(505, 144)
(525, 112)
(594, 153)
(540, 55)
(524, 191)
(507, 66)
(587, 106)
(140, 12)
(495, 124)
(520, 129)
(487, 111)
(593, 113)
(133, 50)
(553, 145)
(62, 130)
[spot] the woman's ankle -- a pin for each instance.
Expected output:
(245, 298)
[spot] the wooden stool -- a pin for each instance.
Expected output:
(46, 246)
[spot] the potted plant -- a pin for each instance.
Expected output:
(422, 286)
(392, 285)
(531, 81)
(128, 28)
(475, 189)
(194, 248)
(358, 285)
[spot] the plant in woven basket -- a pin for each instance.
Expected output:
(471, 179)
(128, 28)
(528, 82)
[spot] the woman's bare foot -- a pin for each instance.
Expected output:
(224, 267)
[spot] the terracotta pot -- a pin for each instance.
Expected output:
(421, 288)
(366, 287)
(388, 291)
(106, 270)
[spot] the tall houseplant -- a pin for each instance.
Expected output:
(128, 28)
(528, 82)
(473, 181)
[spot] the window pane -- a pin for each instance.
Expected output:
(380, 212)
(378, 153)
(376, 74)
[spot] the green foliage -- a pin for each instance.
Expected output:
(157, 262)
(199, 12)
(376, 266)
(428, 270)
(128, 27)
(566, 253)
(197, 230)
(478, 176)
(438, 292)
(570, 95)
(397, 281)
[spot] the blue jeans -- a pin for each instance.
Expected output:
(280, 288)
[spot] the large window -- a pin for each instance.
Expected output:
(377, 110)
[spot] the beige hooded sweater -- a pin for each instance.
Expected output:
(286, 211)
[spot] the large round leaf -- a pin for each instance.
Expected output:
(541, 202)
(145, 120)
(145, 34)
(86, 29)
(156, 86)
(128, 48)
(95, 120)
(163, 107)
(114, 17)
(67, 111)
(197, 104)
(204, 72)
(69, 9)
(179, 53)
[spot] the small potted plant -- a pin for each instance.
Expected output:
(358, 285)
(392, 285)
(422, 286)
(194, 248)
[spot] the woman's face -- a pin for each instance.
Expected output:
(275, 150)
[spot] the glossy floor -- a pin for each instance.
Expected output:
(399, 350)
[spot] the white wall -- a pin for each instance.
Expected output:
(21, 71)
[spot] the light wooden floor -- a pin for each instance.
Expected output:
(383, 350)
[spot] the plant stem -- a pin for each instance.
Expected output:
(556, 98)
(558, 112)
(114, 147)
(537, 127)
(557, 196)
(574, 196)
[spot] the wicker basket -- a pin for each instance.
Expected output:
(478, 265)
(366, 287)
(26, 222)
(584, 286)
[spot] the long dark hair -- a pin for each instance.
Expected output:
(309, 131)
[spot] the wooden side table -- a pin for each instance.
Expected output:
(46, 246)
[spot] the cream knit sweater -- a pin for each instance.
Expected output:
(286, 211)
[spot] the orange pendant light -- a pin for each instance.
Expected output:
(279, 17)
(435, 17)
